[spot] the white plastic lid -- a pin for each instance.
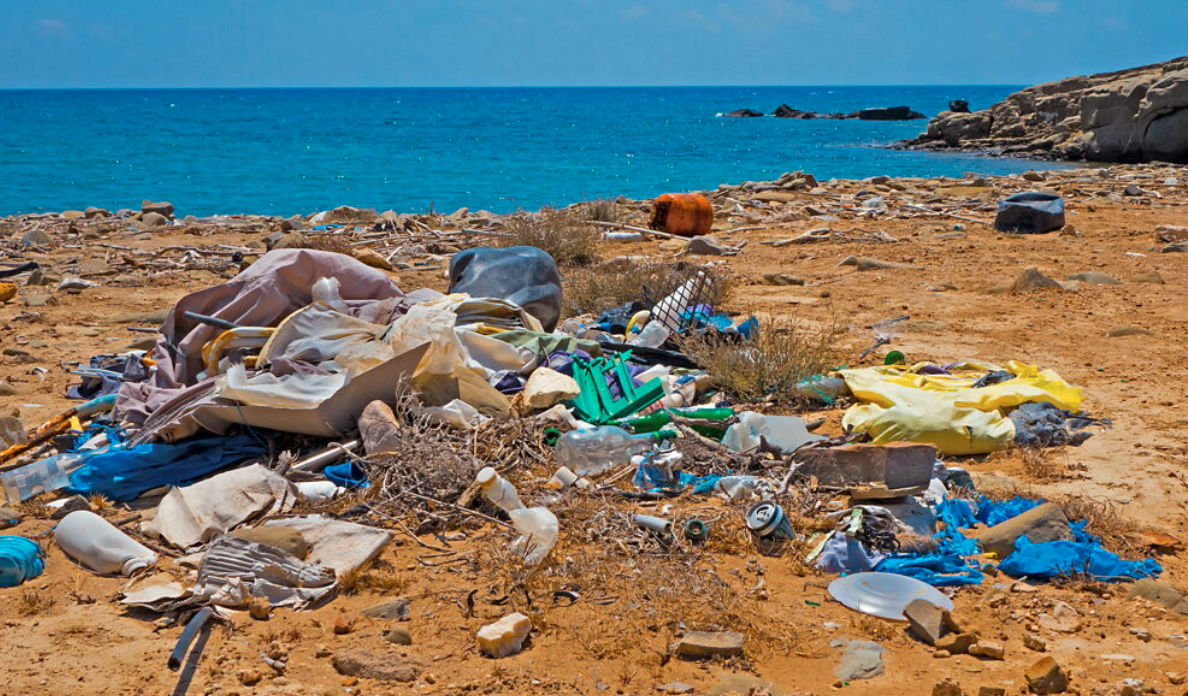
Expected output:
(135, 565)
(486, 476)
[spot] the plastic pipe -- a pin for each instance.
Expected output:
(187, 637)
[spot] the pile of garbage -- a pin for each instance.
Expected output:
(289, 422)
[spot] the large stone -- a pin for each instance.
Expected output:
(153, 220)
(504, 637)
(394, 610)
(547, 388)
(947, 687)
(743, 113)
(1095, 278)
(737, 683)
(890, 113)
(1046, 677)
(926, 621)
(386, 666)
(164, 208)
(700, 645)
(860, 660)
(379, 429)
(1046, 522)
(898, 465)
(1161, 593)
(1031, 280)
(782, 279)
(708, 246)
(1170, 233)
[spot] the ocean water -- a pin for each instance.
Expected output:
(289, 151)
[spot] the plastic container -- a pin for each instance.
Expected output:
(21, 559)
(595, 450)
(100, 546)
(498, 490)
(319, 491)
(654, 335)
(42, 476)
(564, 478)
(538, 528)
(659, 525)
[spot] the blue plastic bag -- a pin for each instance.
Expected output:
(123, 473)
(1053, 558)
(21, 559)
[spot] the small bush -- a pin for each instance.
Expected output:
(618, 281)
(768, 367)
(564, 234)
(601, 210)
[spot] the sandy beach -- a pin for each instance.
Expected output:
(946, 270)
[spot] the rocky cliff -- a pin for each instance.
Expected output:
(1135, 115)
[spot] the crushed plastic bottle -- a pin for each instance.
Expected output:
(653, 335)
(538, 528)
(593, 451)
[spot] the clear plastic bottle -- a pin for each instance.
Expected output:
(653, 335)
(593, 451)
(498, 490)
(100, 545)
(44, 476)
(326, 290)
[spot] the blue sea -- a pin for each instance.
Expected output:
(290, 151)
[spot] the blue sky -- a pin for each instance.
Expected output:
(288, 43)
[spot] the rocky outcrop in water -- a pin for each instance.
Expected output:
(1135, 115)
(887, 113)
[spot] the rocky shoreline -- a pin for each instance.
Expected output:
(1127, 116)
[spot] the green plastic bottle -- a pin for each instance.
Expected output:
(652, 422)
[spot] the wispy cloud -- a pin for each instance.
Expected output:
(54, 27)
(1037, 6)
(840, 5)
(634, 12)
(698, 17)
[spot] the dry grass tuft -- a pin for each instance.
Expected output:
(1042, 464)
(564, 234)
(318, 241)
(32, 602)
(601, 210)
(1104, 520)
(767, 368)
(381, 578)
(619, 281)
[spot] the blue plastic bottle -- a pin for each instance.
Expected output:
(21, 559)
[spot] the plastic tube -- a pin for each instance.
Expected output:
(187, 637)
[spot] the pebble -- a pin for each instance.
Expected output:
(1142, 634)
(988, 649)
(343, 625)
(399, 635)
(947, 687)
(1034, 642)
(675, 688)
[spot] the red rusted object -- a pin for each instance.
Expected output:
(682, 214)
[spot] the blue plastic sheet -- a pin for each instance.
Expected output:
(123, 473)
(1052, 558)
(949, 564)
(991, 513)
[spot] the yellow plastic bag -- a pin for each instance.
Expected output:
(945, 410)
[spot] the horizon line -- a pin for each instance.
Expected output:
(332, 87)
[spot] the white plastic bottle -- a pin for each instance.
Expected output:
(498, 490)
(100, 546)
(654, 335)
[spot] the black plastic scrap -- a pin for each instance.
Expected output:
(1040, 424)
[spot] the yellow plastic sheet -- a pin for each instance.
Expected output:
(945, 410)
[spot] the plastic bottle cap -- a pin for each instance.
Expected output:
(486, 476)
